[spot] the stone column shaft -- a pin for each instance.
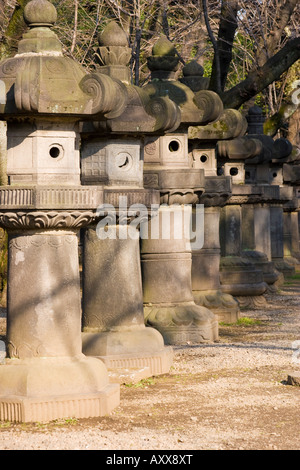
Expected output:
(277, 241)
(166, 266)
(262, 229)
(256, 242)
(113, 317)
(231, 234)
(290, 236)
(295, 234)
(43, 295)
(112, 287)
(239, 276)
(206, 271)
(206, 261)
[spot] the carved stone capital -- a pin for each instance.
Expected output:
(217, 191)
(36, 220)
(180, 196)
(213, 199)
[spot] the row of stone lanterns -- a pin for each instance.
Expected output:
(91, 153)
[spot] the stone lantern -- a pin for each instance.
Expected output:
(203, 141)
(246, 270)
(112, 156)
(264, 225)
(166, 256)
(45, 375)
(291, 178)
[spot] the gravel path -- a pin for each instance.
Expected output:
(228, 395)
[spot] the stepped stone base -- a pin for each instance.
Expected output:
(46, 409)
(240, 278)
(271, 276)
(286, 268)
(131, 369)
(129, 355)
(45, 389)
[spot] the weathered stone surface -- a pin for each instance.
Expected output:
(223, 305)
(291, 173)
(44, 390)
(238, 276)
(182, 323)
(51, 198)
(231, 124)
(43, 153)
(193, 76)
(106, 260)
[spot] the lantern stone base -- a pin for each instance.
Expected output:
(224, 306)
(182, 323)
(271, 276)
(45, 389)
(129, 355)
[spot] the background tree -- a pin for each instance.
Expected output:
(258, 48)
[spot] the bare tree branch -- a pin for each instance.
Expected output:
(260, 78)
(75, 26)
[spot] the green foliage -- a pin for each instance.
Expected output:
(144, 383)
(243, 321)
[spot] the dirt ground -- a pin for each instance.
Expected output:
(228, 395)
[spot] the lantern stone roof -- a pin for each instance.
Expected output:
(142, 113)
(39, 79)
(201, 107)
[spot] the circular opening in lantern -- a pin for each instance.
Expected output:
(174, 146)
(233, 171)
(54, 152)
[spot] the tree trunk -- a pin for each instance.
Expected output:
(16, 27)
(227, 28)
